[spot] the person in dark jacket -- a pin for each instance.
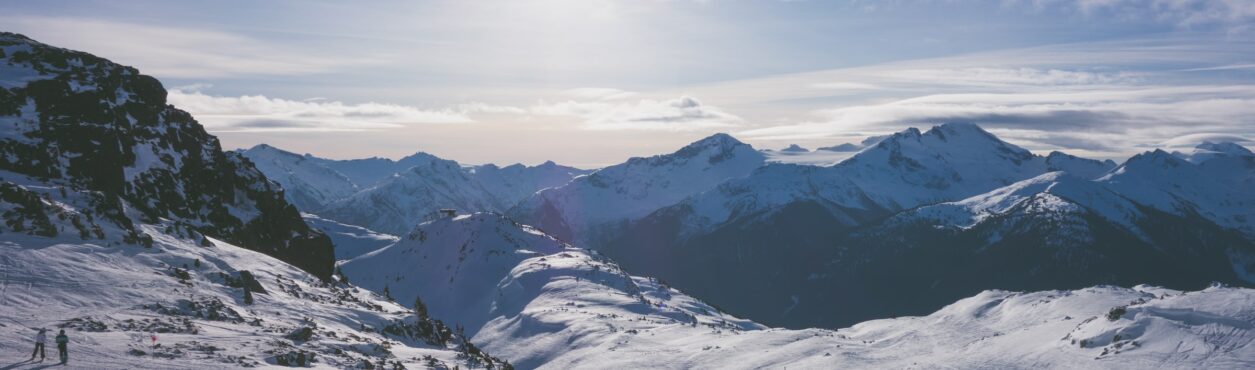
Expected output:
(63, 340)
(40, 339)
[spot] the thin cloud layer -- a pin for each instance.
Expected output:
(177, 52)
(257, 113)
(1135, 116)
(679, 114)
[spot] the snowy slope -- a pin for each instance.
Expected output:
(368, 171)
(590, 204)
(795, 237)
(1218, 187)
(351, 241)
(1058, 192)
(544, 304)
(110, 296)
(514, 183)
(306, 183)
(83, 122)
(408, 189)
(1208, 150)
(409, 197)
(907, 169)
(1080, 167)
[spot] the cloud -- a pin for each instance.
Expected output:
(253, 113)
(1223, 67)
(1233, 15)
(1194, 139)
(598, 93)
(680, 114)
(1128, 116)
(180, 52)
(993, 77)
(479, 107)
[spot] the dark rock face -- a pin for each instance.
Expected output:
(80, 121)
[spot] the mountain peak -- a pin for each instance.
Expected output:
(718, 144)
(954, 137)
(1226, 147)
(1153, 159)
(417, 156)
(965, 129)
(794, 148)
(719, 139)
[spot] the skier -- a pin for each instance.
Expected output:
(40, 339)
(62, 340)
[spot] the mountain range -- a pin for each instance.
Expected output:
(127, 225)
(392, 196)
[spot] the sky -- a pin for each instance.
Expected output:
(591, 83)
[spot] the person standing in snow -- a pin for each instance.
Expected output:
(40, 339)
(62, 341)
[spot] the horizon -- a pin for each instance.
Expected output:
(589, 84)
(843, 155)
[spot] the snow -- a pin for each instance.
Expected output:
(905, 170)
(1219, 188)
(407, 190)
(545, 304)
(307, 184)
(50, 282)
(639, 186)
(398, 203)
(1057, 192)
(350, 241)
(1209, 150)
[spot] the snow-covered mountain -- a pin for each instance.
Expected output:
(351, 241)
(123, 225)
(1219, 187)
(392, 196)
(1077, 166)
(514, 183)
(541, 303)
(308, 184)
(795, 238)
(123, 219)
(594, 206)
(208, 303)
(84, 123)
(1052, 231)
(411, 196)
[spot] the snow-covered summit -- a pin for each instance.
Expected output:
(393, 195)
(396, 204)
(306, 183)
(627, 191)
(1218, 188)
(1208, 150)
(904, 170)
(1077, 166)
